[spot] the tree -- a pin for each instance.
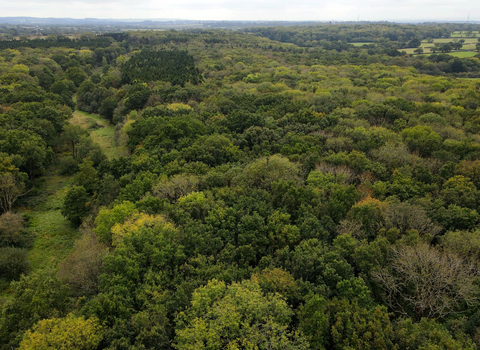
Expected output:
(414, 43)
(237, 316)
(107, 218)
(82, 267)
(357, 328)
(422, 139)
(69, 333)
(11, 227)
(421, 282)
(459, 190)
(11, 188)
(418, 50)
(428, 334)
(36, 154)
(76, 204)
(446, 47)
(137, 96)
(35, 297)
(76, 74)
(13, 263)
(264, 171)
(72, 134)
(86, 175)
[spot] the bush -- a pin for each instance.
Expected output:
(11, 227)
(13, 263)
(68, 165)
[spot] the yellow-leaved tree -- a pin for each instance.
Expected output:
(69, 333)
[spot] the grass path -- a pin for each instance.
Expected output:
(55, 235)
(101, 131)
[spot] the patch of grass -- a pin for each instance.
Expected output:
(53, 234)
(101, 131)
(463, 54)
(463, 34)
(408, 51)
(361, 44)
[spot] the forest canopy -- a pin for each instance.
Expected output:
(290, 187)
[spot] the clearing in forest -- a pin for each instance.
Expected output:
(101, 132)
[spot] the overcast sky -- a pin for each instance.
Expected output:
(322, 10)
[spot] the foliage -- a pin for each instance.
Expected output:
(268, 187)
(36, 297)
(176, 67)
(75, 204)
(13, 263)
(234, 317)
(75, 333)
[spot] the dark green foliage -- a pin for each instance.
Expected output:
(13, 263)
(75, 205)
(137, 96)
(60, 41)
(175, 66)
(35, 297)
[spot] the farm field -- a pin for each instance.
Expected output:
(361, 44)
(461, 34)
(463, 54)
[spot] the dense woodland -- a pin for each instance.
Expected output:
(272, 188)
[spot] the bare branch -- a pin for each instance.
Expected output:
(428, 283)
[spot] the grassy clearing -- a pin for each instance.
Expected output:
(361, 44)
(101, 131)
(468, 41)
(463, 54)
(53, 234)
(463, 34)
(408, 51)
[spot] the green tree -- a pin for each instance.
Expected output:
(76, 204)
(459, 190)
(107, 218)
(35, 297)
(76, 74)
(86, 176)
(13, 263)
(354, 327)
(264, 171)
(234, 317)
(428, 334)
(422, 139)
(72, 135)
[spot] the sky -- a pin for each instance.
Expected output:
(319, 10)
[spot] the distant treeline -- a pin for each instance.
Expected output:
(96, 42)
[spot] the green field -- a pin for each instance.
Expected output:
(361, 44)
(463, 54)
(463, 34)
(468, 49)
